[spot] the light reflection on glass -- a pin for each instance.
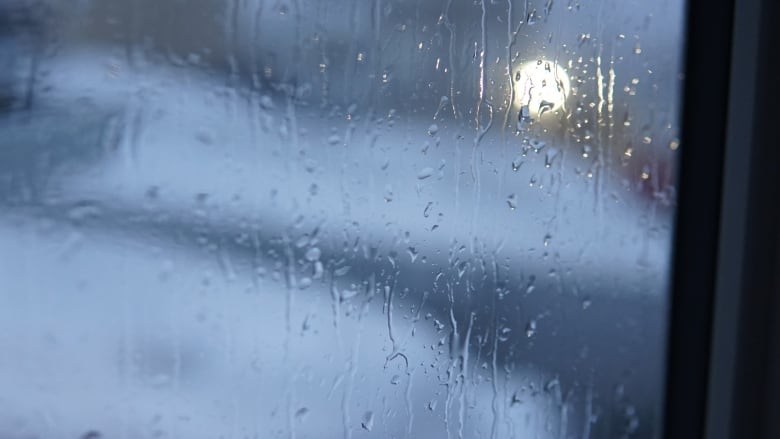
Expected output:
(541, 88)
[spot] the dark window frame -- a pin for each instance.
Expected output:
(723, 352)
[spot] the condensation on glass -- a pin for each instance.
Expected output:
(336, 218)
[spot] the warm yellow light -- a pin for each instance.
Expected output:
(541, 88)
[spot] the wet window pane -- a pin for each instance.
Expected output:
(339, 218)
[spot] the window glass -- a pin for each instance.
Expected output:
(337, 218)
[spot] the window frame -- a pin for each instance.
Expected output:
(723, 351)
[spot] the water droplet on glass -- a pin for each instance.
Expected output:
(388, 193)
(545, 106)
(313, 254)
(645, 172)
(517, 163)
(586, 149)
(341, 271)
(266, 103)
(511, 200)
(537, 145)
(391, 258)
(412, 253)
(301, 413)
(348, 294)
(427, 210)
(550, 157)
(425, 173)
(530, 329)
(586, 302)
(84, 210)
(368, 421)
(319, 269)
(531, 19)
(524, 118)
(433, 129)
(552, 384)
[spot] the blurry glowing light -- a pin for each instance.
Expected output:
(541, 87)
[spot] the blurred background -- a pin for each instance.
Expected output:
(386, 218)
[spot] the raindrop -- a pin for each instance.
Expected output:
(645, 172)
(532, 17)
(412, 253)
(313, 254)
(266, 103)
(530, 329)
(388, 193)
(348, 294)
(368, 421)
(342, 271)
(586, 149)
(301, 413)
(204, 136)
(306, 325)
(425, 173)
(84, 210)
(517, 163)
(586, 302)
(537, 145)
(511, 200)
(545, 106)
(427, 210)
(524, 118)
(632, 420)
(550, 157)
(433, 129)
(391, 258)
(318, 270)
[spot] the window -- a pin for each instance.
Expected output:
(337, 218)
